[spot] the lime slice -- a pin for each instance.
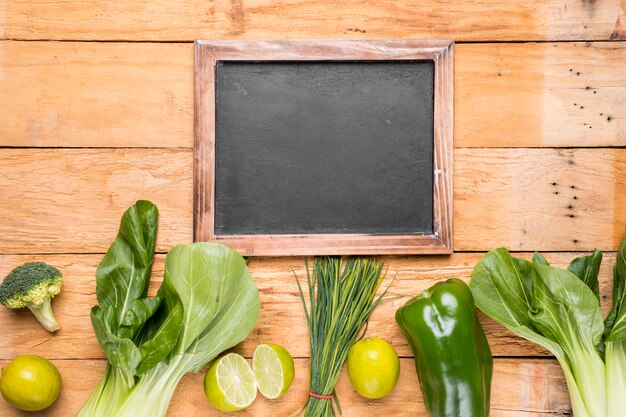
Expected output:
(229, 383)
(273, 370)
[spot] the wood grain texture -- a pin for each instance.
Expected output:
(71, 200)
(209, 53)
(61, 202)
(267, 19)
(325, 49)
(75, 94)
(535, 95)
(536, 387)
(539, 199)
(204, 145)
(89, 94)
(282, 318)
(444, 148)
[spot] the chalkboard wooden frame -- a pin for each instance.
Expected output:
(209, 53)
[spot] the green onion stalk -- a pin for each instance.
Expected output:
(342, 296)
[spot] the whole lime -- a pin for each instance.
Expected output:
(30, 383)
(373, 367)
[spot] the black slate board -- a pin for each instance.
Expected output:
(324, 147)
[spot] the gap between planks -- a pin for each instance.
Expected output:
(460, 252)
(185, 41)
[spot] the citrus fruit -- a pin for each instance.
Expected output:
(229, 383)
(273, 370)
(30, 383)
(373, 367)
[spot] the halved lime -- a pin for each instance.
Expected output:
(273, 369)
(229, 384)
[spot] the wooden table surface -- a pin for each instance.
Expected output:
(96, 102)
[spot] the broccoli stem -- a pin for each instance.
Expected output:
(45, 315)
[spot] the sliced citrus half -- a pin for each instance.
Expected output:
(273, 370)
(229, 384)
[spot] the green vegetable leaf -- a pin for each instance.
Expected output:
(539, 259)
(553, 308)
(217, 292)
(121, 353)
(568, 312)
(502, 288)
(587, 268)
(138, 314)
(208, 302)
(615, 323)
(123, 275)
(564, 304)
(161, 343)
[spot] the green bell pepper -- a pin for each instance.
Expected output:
(452, 356)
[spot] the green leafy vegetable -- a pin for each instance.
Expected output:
(615, 336)
(586, 268)
(559, 309)
(342, 295)
(207, 303)
(616, 320)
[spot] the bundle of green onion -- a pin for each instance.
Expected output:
(340, 301)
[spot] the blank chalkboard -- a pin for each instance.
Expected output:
(322, 148)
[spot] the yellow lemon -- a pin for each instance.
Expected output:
(373, 367)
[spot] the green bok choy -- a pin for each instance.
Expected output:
(207, 303)
(559, 309)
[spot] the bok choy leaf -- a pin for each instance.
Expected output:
(587, 268)
(553, 308)
(207, 303)
(615, 338)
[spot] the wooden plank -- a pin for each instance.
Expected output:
(141, 95)
(539, 199)
(90, 94)
(71, 200)
(282, 318)
(535, 387)
(536, 95)
(267, 19)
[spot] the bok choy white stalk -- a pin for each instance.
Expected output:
(207, 303)
(559, 309)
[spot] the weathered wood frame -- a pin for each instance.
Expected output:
(208, 53)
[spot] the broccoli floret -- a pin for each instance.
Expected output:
(33, 285)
